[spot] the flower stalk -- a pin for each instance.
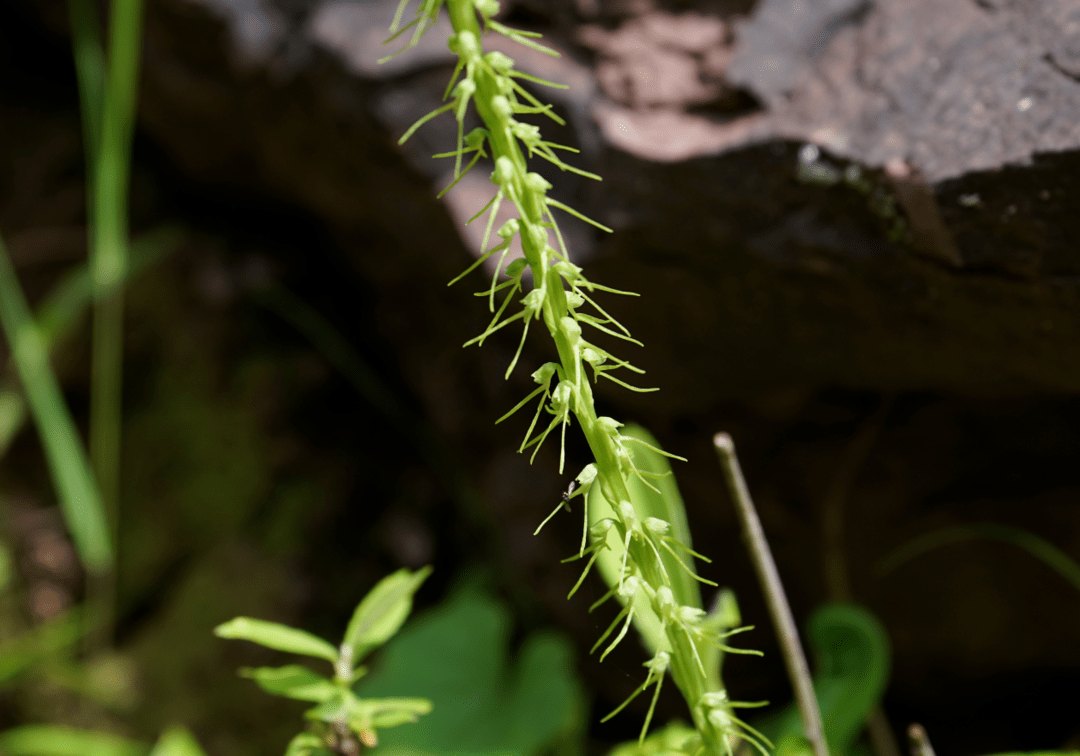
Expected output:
(559, 297)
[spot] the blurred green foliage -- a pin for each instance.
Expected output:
(487, 699)
(852, 661)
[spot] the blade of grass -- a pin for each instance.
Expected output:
(89, 54)
(1040, 548)
(12, 414)
(67, 460)
(109, 251)
(108, 264)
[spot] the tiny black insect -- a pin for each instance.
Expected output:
(569, 492)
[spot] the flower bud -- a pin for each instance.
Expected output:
(656, 525)
(720, 719)
(504, 172)
(515, 268)
(560, 397)
(526, 132)
(475, 138)
(568, 270)
(714, 698)
(665, 597)
(500, 62)
(502, 107)
(660, 662)
(609, 425)
(543, 376)
(536, 182)
(587, 474)
(465, 44)
(691, 614)
(538, 236)
(464, 89)
(508, 229)
(487, 8)
(533, 301)
(629, 587)
(600, 528)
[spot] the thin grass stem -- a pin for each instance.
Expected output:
(773, 588)
(109, 259)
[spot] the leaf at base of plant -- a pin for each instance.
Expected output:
(277, 636)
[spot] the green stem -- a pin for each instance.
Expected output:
(109, 261)
(89, 54)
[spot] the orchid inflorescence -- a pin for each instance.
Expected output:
(559, 297)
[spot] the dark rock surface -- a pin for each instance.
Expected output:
(959, 120)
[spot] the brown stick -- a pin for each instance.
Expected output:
(919, 741)
(773, 588)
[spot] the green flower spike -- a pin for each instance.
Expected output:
(564, 301)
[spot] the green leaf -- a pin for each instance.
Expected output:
(54, 740)
(177, 741)
(387, 712)
(292, 681)
(482, 705)
(382, 611)
(69, 466)
(1040, 548)
(368, 713)
(276, 636)
(344, 705)
(334, 709)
